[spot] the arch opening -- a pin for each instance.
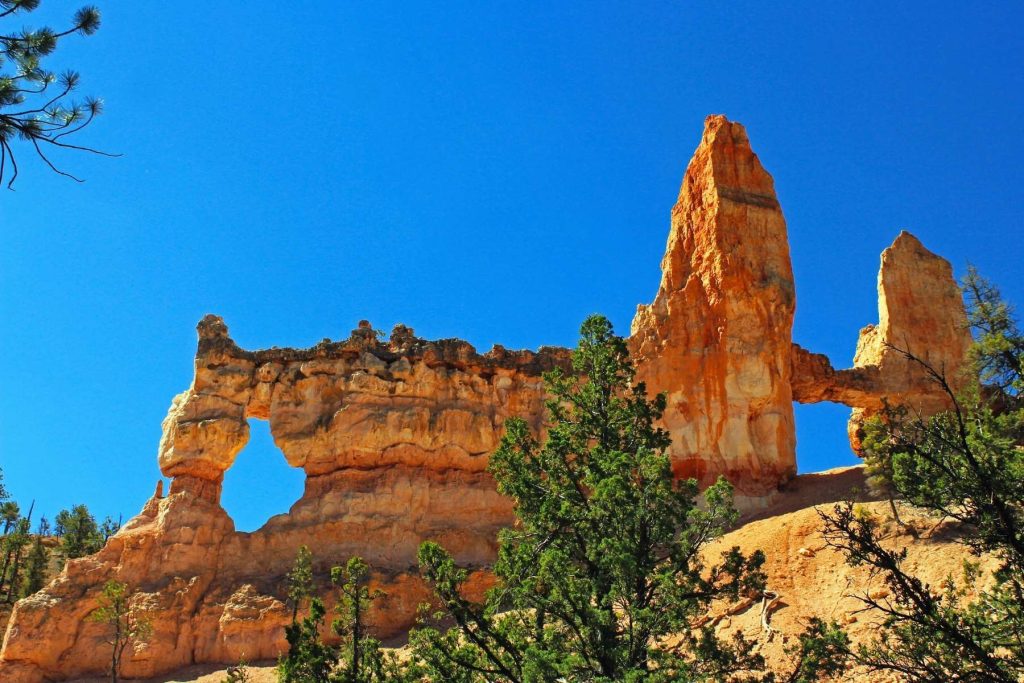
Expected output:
(821, 438)
(261, 483)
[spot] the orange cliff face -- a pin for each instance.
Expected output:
(717, 339)
(394, 435)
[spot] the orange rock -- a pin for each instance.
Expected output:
(394, 436)
(717, 338)
(920, 312)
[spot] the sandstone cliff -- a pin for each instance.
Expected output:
(808, 578)
(717, 338)
(393, 436)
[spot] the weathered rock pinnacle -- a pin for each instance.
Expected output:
(717, 337)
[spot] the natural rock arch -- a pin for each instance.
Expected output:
(261, 484)
(393, 435)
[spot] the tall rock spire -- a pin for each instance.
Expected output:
(920, 312)
(717, 338)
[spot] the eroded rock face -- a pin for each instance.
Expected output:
(717, 338)
(394, 435)
(920, 312)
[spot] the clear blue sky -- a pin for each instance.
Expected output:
(494, 173)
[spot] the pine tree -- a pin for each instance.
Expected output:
(358, 657)
(300, 581)
(998, 352)
(35, 104)
(107, 529)
(12, 546)
(17, 542)
(361, 658)
(964, 465)
(603, 568)
(35, 568)
(9, 515)
(127, 625)
(79, 533)
(309, 659)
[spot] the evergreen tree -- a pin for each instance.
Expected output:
(877, 452)
(35, 103)
(35, 568)
(998, 351)
(964, 465)
(127, 625)
(79, 533)
(358, 657)
(361, 658)
(309, 659)
(9, 515)
(12, 546)
(602, 576)
(108, 528)
(300, 581)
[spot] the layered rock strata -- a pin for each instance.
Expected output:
(393, 436)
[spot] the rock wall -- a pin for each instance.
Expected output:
(394, 435)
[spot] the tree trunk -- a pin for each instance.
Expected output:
(355, 638)
(14, 576)
(3, 570)
(120, 642)
(17, 554)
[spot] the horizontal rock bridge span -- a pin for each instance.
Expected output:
(394, 434)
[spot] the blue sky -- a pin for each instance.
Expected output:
(493, 171)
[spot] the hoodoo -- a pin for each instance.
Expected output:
(394, 435)
(717, 338)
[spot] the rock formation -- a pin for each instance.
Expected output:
(717, 338)
(394, 436)
(920, 313)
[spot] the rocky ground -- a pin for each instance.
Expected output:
(258, 673)
(812, 580)
(808, 578)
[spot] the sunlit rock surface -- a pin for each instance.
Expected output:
(717, 338)
(394, 435)
(922, 328)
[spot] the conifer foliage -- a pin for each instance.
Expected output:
(354, 656)
(965, 466)
(36, 105)
(126, 623)
(602, 576)
(80, 534)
